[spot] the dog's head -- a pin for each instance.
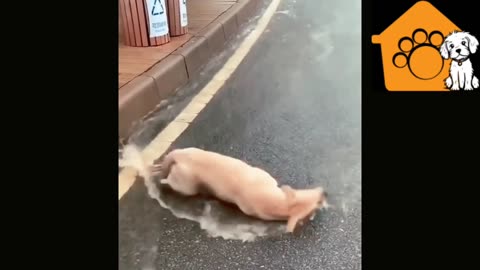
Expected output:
(321, 197)
(314, 196)
(458, 46)
(303, 204)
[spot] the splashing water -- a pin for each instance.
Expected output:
(286, 12)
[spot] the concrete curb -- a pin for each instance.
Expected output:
(142, 95)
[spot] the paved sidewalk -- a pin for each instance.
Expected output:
(134, 61)
(149, 75)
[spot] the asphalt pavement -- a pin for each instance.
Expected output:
(293, 108)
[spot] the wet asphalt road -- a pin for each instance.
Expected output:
(292, 108)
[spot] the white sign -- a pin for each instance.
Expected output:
(157, 14)
(183, 13)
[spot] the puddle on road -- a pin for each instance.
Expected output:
(216, 218)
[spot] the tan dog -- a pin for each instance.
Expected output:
(190, 171)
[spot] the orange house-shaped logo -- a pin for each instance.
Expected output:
(410, 50)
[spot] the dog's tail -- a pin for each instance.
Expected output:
(132, 157)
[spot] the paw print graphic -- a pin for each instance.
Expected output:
(420, 53)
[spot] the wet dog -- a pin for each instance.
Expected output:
(192, 171)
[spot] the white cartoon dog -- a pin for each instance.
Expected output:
(458, 46)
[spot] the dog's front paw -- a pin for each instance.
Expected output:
(468, 88)
(455, 87)
(475, 82)
(448, 82)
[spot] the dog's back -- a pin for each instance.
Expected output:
(228, 178)
(252, 189)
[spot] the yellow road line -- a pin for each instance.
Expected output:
(174, 129)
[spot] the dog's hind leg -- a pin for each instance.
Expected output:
(448, 82)
(180, 180)
(475, 82)
(469, 80)
(156, 169)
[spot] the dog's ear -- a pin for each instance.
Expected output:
(472, 43)
(444, 50)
